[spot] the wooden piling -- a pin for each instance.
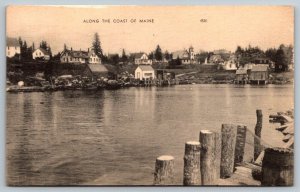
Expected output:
(240, 144)
(208, 161)
(191, 172)
(258, 128)
(228, 149)
(278, 167)
(164, 170)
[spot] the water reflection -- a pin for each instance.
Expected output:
(113, 137)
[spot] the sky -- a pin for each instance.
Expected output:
(172, 27)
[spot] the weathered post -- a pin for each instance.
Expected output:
(258, 127)
(208, 162)
(278, 167)
(228, 149)
(218, 154)
(191, 172)
(164, 170)
(240, 144)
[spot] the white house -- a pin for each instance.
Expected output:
(93, 58)
(144, 72)
(41, 53)
(185, 56)
(71, 56)
(231, 64)
(141, 58)
(12, 47)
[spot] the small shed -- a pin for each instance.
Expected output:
(259, 74)
(98, 70)
(144, 72)
(241, 76)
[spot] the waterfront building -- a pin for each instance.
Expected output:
(12, 47)
(41, 53)
(241, 76)
(259, 74)
(144, 72)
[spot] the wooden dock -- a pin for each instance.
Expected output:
(217, 159)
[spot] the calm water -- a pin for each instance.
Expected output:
(114, 137)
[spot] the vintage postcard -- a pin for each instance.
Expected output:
(150, 95)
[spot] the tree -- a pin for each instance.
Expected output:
(151, 55)
(124, 56)
(44, 45)
(271, 54)
(167, 56)
(97, 45)
(158, 53)
(281, 59)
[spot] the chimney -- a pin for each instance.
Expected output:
(88, 49)
(71, 49)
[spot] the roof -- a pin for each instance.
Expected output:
(77, 54)
(241, 72)
(257, 68)
(97, 68)
(43, 51)
(145, 67)
(12, 42)
(180, 54)
(137, 55)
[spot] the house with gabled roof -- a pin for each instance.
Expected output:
(141, 58)
(12, 47)
(144, 72)
(41, 53)
(73, 56)
(185, 56)
(259, 74)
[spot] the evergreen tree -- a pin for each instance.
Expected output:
(124, 56)
(97, 46)
(167, 56)
(158, 53)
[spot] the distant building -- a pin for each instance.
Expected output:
(185, 56)
(71, 56)
(144, 72)
(241, 76)
(41, 53)
(259, 74)
(215, 59)
(12, 47)
(141, 59)
(231, 64)
(93, 58)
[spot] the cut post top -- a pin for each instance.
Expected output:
(165, 158)
(193, 143)
(206, 132)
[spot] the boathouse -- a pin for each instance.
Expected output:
(259, 75)
(98, 70)
(241, 76)
(144, 72)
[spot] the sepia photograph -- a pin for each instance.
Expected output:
(102, 95)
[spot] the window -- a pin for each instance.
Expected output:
(8, 53)
(7, 48)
